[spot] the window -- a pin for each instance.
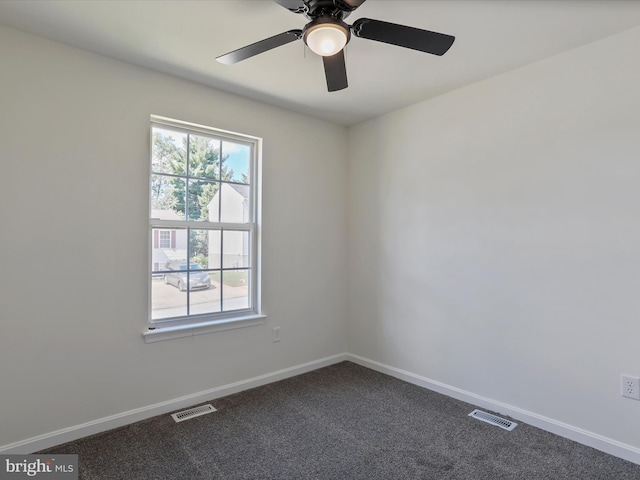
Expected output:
(203, 226)
(164, 239)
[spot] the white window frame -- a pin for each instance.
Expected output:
(184, 326)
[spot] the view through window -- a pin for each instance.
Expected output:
(202, 223)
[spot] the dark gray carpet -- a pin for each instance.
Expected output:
(342, 422)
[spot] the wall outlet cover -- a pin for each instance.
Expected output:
(630, 386)
(275, 334)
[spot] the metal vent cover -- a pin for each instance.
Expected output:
(193, 412)
(493, 420)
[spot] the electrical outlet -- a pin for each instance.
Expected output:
(275, 334)
(630, 386)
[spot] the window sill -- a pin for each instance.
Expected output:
(160, 334)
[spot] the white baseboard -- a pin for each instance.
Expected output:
(579, 435)
(599, 442)
(114, 421)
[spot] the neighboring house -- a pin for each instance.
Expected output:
(168, 244)
(230, 204)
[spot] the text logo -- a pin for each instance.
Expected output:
(49, 467)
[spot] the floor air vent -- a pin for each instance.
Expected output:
(493, 420)
(193, 412)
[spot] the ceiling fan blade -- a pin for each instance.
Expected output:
(296, 6)
(349, 5)
(403, 36)
(335, 70)
(259, 47)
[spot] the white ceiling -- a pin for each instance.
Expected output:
(183, 38)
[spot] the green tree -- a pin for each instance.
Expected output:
(166, 159)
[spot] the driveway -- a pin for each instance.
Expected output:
(168, 301)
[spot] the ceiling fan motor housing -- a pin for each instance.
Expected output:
(332, 8)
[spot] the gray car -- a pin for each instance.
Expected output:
(178, 277)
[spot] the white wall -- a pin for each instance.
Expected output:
(74, 152)
(495, 233)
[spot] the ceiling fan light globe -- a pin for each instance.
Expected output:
(326, 40)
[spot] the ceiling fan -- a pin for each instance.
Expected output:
(327, 34)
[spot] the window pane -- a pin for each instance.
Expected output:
(235, 246)
(204, 294)
(168, 151)
(201, 199)
(166, 299)
(235, 203)
(235, 162)
(235, 289)
(205, 248)
(204, 157)
(167, 197)
(164, 257)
